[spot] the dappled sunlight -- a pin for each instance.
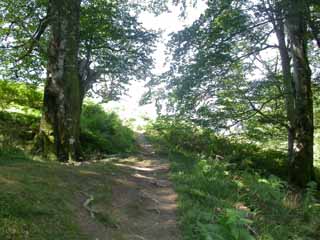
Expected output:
(125, 182)
(155, 120)
(22, 110)
(129, 160)
(143, 169)
(292, 201)
(167, 197)
(168, 206)
(239, 183)
(137, 175)
(88, 173)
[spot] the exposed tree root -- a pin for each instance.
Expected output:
(87, 204)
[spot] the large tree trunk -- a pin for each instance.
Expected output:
(301, 169)
(60, 123)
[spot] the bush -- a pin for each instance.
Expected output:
(12, 155)
(21, 94)
(186, 137)
(20, 106)
(104, 132)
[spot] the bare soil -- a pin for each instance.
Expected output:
(143, 202)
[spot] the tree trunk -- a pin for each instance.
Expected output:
(301, 169)
(278, 24)
(60, 123)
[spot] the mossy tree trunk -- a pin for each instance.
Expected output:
(60, 123)
(301, 169)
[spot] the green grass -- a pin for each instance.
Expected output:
(218, 201)
(239, 195)
(40, 200)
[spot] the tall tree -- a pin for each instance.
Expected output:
(111, 48)
(301, 165)
(275, 13)
(213, 58)
(60, 123)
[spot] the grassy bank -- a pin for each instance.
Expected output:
(231, 190)
(43, 200)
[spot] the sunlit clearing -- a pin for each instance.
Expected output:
(128, 106)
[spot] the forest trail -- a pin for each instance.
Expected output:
(143, 202)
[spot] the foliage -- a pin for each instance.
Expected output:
(187, 137)
(231, 70)
(12, 154)
(222, 197)
(110, 36)
(120, 47)
(212, 60)
(39, 200)
(240, 202)
(225, 67)
(20, 116)
(24, 95)
(104, 132)
(19, 21)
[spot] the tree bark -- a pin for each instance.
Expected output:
(60, 123)
(288, 83)
(301, 169)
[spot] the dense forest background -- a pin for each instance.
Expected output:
(238, 112)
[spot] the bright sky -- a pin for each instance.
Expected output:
(128, 107)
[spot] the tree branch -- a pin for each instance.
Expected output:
(36, 37)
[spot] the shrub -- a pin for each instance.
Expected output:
(175, 134)
(104, 132)
(21, 94)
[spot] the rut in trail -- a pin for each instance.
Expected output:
(143, 205)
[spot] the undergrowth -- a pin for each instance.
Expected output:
(232, 190)
(104, 132)
(188, 138)
(20, 112)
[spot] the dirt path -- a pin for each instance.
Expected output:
(143, 202)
